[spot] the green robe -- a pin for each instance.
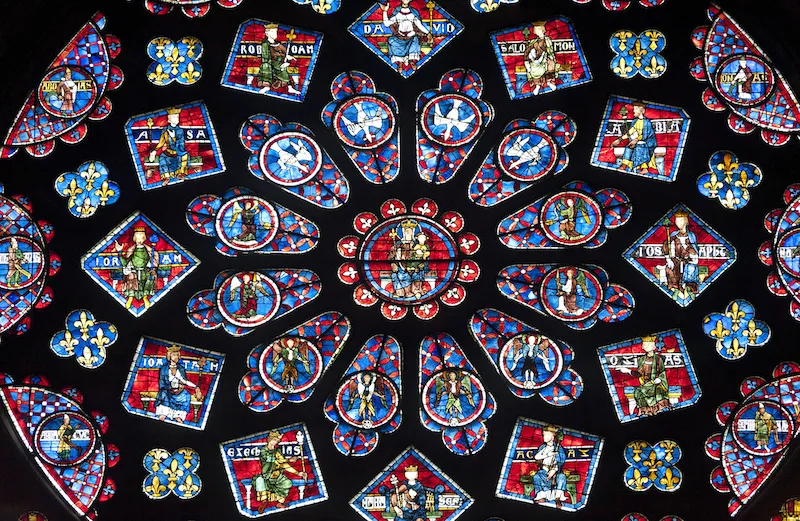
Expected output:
(146, 284)
(765, 424)
(272, 57)
(650, 394)
(272, 480)
(15, 261)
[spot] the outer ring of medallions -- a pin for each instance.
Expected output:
(390, 413)
(520, 385)
(311, 381)
(236, 322)
(745, 446)
(736, 102)
(390, 116)
(273, 214)
(60, 414)
(587, 313)
(35, 248)
(89, 106)
(435, 416)
(262, 156)
(381, 293)
(523, 131)
(464, 99)
(595, 207)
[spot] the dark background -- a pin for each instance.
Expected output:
(33, 31)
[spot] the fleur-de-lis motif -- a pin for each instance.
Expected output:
(729, 180)
(728, 165)
(741, 331)
(719, 332)
(670, 481)
(173, 473)
(730, 200)
(489, 5)
(652, 465)
(159, 77)
(105, 192)
(174, 61)
(188, 488)
(155, 489)
(69, 343)
(190, 73)
(638, 481)
(735, 314)
(83, 324)
(713, 184)
(736, 350)
(84, 338)
(637, 447)
(623, 37)
(654, 37)
(87, 359)
(655, 69)
(752, 332)
(623, 69)
(638, 53)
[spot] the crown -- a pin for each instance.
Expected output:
(649, 338)
(681, 213)
(270, 26)
(409, 223)
(173, 110)
(540, 23)
(139, 228)
(551, 428)
(173, 349)
(411, 468)
(274, 435)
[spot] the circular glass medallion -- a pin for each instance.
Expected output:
(451, 120)
(22, 262)
(290, 364)
(247, 223)
(571, 294)
(364, 122)
(570, 218)
(788, 250)
(248, 299)
(454, 397)
(65, 439)
(744, 79)
(367, 400)
(763, 428)
(67, 92)
(409, 260)
(531, 361)
(527, 154)
(290, 158)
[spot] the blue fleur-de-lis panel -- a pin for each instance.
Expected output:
(290, 157)
(757, 432)
(453, 398)
(736, 329)
(26, 263)
(577, 295)
(321, 6)
(85, 338)
(530, 62)
(638, 54)
(41, 419)
(529, 151)
(566, 482)
(173, 145)
(71, 93)
(243, 222)
(400, 487)
(272, 59)
(290, 367)
(405, 34)
(174, 61)
(190, 8)
(87, 189)
(138, 264)
(450, 121)
(240, 301)
(681, 255)
(575, 216)
(653, 466)
(781, 251)
(728, 180)
(365, 122)
(742, 81)
(172, 473)
(489, 6)
(532, 363)
(367, 400)
(297, 472)
(172, 383)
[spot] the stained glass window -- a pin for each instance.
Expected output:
(399, 260)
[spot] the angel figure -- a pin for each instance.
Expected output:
(364, 122)
(248, 289)
(457, 386)
(568, 209)
(251, 220)
(292, 352)
(531, 357)
(367, 392)
(567, 291)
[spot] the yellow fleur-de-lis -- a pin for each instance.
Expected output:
(728, 166)
(191, 43)
(175, 59)
(83, 324)
(622, 69)
(638, 481)
(322, 6)
(173, 473)
(713, 184)
(753, 332)
(655, 69)
(101, 339)
(623, 37)
(731, 201)
(637, 447)
(638, 53)
(68, 343)
(188, 487)
(90, 175)
(188, 456)
(735, 314)
(159, 77)
(72, 189)
(652, 463)
(87, 359)
(292, 36)
(158, 456)
(161, 44)
(104, 192)
(654, 36)
(744, 180)
(155, 489)
(670, 481)
(735, 350)
(669, 449)
(190, 74)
